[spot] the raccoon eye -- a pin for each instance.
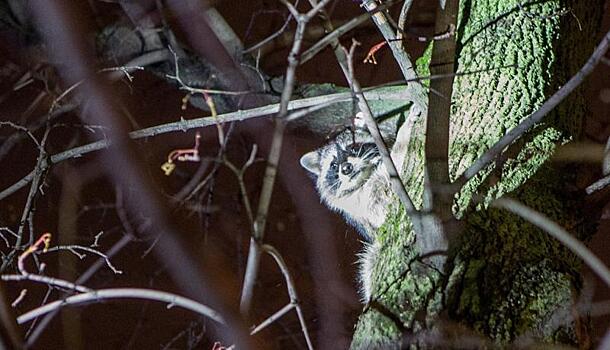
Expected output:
(347, 168)
(333, 165)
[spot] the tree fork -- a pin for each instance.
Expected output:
(509, 280)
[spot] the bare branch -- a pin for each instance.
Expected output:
(274, 156)
(292, 292)
(401, 56)
(239, 173)
(55, 282)
(397, 185)
(19, 298)
(101, 295)
(402, 21)
(59, 24)
(37, 175)
(270, 37)
(36, 332)
(276, 316)
(116, 73)
(333, 36)
(74, 247)
(185, 125)
(25, 130)
(598, 185)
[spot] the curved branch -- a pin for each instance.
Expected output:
(123, 293)
(402, 21)
(51, 281)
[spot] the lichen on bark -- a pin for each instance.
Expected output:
(506, 280)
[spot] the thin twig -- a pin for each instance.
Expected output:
(292, 292)
(51, 281)
(41, 121)
(402, 21)
(37, 175)
(270, 37)
(121, 69)
(332, 37)
(300, 113)
(598, 185)
(400, 55)
(73, 248)
(25, 130)
(195, 185)
(144, 60)
(486, 158)
(96, 239)
(37, 331)
(46, 297)
(269, 320)
(6, 229)
(19, 298)
(192, 90)
(239, 173)
(70, 44)
(42, 243)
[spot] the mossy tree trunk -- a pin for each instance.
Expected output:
(505, 280)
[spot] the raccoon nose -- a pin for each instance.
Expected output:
(347, 168)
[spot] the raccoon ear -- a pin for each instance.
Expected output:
(311, 162)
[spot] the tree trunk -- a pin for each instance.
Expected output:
(505, 280)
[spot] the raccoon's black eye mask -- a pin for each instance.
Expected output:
(312, 160)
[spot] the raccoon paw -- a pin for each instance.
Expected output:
(359, 121)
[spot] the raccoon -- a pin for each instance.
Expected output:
(351, 179)
(348, 175)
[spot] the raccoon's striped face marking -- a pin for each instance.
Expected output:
(345, 169)
(348, 179)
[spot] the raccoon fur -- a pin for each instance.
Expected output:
(352, 180)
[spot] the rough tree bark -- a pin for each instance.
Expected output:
(506, 280)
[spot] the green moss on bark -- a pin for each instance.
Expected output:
(507, 280)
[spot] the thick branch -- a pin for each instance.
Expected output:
(484, 160)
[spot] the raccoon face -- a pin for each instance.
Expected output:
(341, 167)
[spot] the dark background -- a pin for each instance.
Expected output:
(223, 229)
